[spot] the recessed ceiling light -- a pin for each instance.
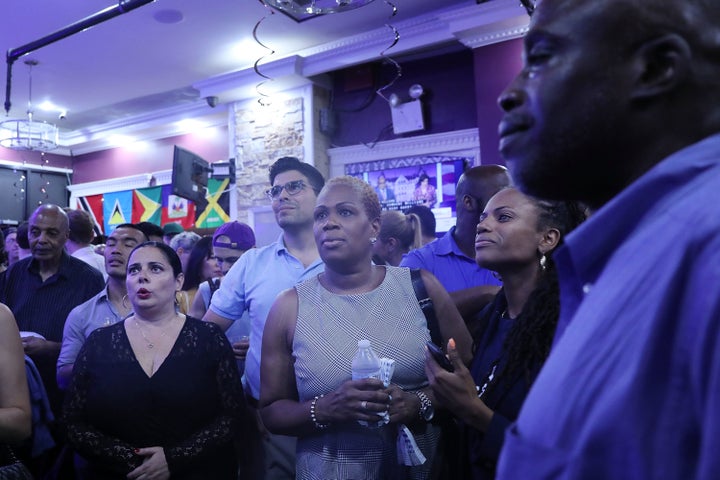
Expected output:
(168, 16)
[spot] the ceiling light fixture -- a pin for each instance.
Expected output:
(300, 10)
(26, 133)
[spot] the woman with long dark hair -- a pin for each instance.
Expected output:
(516, 236)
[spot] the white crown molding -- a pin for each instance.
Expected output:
(132, 182)
(473, 26)
(465, 141)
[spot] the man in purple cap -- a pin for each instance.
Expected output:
(230, 241)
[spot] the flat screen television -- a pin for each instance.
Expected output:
(403, 177)
(190, 177)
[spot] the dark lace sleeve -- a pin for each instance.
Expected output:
(91, 443)
(222, 429)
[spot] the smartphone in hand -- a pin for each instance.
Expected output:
(440, 357)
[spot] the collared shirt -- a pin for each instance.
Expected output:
(88, 255)
(42, 306)
(252, 284)
(444, 259)
(87, 317)
(631, 388)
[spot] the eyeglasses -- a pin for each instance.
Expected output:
(292, 188)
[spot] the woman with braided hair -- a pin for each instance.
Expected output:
(516, 236)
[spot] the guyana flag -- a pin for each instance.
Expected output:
(216, 212)
(147, 205)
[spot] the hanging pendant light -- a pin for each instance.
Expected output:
(315, 7)
(26, 133)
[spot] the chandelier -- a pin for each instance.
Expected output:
(26, 133)
(300, 8)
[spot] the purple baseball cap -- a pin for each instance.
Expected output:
(240, 234)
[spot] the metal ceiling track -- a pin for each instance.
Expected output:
(13, 54)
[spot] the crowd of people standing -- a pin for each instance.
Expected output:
(578, 334)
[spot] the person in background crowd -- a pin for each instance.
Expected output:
(156, 395)
(183, 244)
(22, 241)
(201, 267)
(3, 253)
(617, 105)
(516, 237)
(41, 291)
(427, 222)
(230, 242)
(399, 233)
(312, 333)
(107, 307)
(11, 246)
(452, 258)
(170, 230)
(82, 232)
(260, 274)
(152, 231)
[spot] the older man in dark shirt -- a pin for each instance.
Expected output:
(42, 289)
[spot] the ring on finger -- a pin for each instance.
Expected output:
(363, 404)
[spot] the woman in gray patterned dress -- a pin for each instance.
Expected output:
(311, 335)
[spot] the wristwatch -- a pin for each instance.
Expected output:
(427, 412)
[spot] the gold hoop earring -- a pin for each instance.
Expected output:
(125, 297)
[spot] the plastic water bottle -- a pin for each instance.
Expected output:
(366, 364)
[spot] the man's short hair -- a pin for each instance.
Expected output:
(150, 229)
(286, 164)
(81, 226)
(134, 226)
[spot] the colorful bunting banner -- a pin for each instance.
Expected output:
(158, 205)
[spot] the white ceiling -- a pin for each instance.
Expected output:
(136, 73)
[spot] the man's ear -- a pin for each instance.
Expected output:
(663, 63)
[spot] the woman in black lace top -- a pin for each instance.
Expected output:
(158, 395)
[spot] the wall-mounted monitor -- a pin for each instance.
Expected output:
(190, 177)
(425, 180)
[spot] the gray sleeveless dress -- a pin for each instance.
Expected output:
(326, 335)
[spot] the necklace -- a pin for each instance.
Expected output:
(150, 345)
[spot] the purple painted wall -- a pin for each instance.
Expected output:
(495, 67)
(148, 157)
(35, 158)
(448, 102)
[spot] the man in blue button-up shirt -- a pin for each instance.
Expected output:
(618, 105)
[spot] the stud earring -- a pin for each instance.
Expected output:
(373, 240)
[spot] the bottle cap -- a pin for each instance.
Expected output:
(363, 343)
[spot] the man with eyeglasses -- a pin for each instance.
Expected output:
(258, 276)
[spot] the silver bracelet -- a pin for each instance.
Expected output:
(318, 425)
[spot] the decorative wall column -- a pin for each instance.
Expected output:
(260, 134)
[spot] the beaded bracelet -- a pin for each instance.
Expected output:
(318, 425)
